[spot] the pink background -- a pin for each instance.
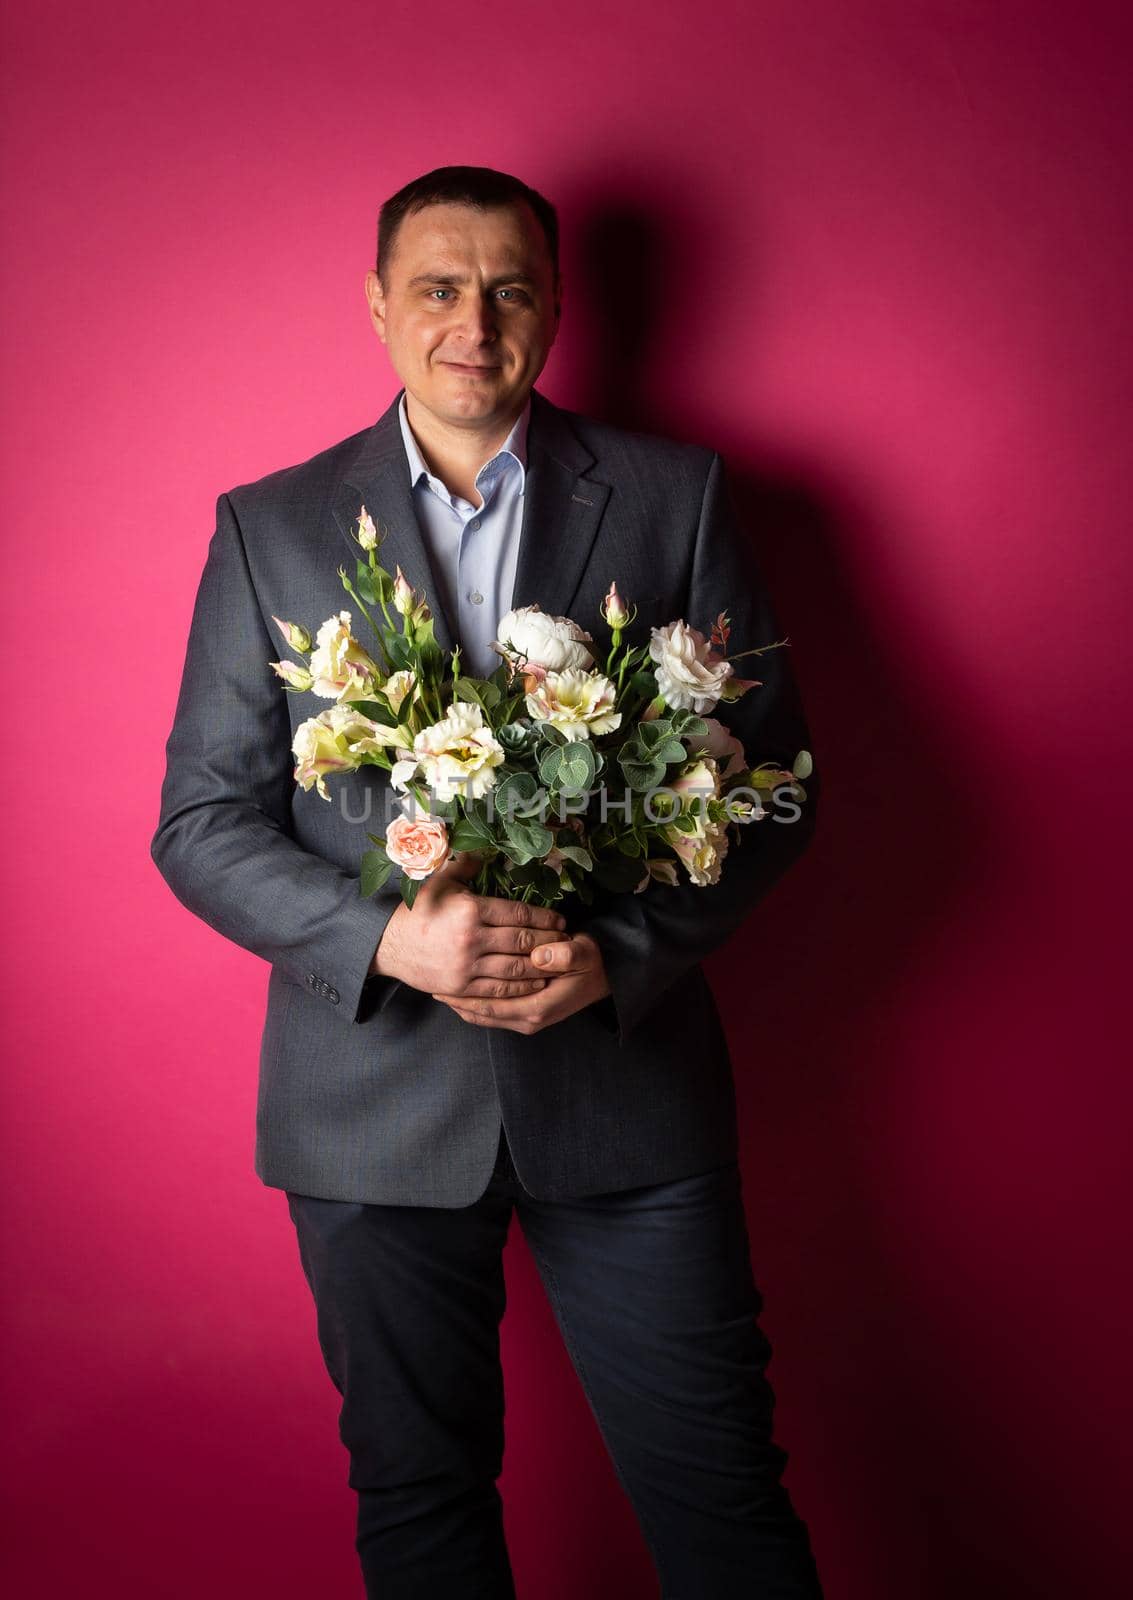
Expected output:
(876, 252)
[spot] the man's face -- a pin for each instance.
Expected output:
(471, 313)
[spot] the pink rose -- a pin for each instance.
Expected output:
(418, 845)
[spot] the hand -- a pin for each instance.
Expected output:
(579, 978)
(466, 944)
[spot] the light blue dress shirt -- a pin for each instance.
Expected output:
(473, 549)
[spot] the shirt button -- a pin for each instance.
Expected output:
(476, 597)
(475, 523)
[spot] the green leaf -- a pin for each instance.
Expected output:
(471, 833)
(645, 684)
(375, 711)
(488, 692)
(578, 767)
(398, 648)
(518, 795)
(637, 774)
(581, 858)
(376, 868)
(469, 689)
(550, 765)
(527, 840)
(409, 888)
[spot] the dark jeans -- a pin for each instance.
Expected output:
(653, 1293)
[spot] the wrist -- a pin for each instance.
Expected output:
(385, 962)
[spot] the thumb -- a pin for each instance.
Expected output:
(560, 955)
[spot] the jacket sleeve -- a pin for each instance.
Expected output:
(649, 940)
(223, 841)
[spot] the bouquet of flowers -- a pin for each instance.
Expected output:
(563, 771)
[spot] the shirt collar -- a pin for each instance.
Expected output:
(515, 445)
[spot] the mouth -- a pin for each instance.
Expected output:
(464, 366)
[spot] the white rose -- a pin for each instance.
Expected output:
(457, 756)
(336, 741)
(340, 667)
(690, 675)
(697, 780)
(702, 853)
(577, 703)
(537, 643)
(396, 687)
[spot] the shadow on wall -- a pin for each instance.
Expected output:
(922, 1497)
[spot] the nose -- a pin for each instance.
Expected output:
(478, 320)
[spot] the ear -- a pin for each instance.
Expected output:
(376, 302)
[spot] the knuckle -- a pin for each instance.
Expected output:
(524, 939)
(523, 913)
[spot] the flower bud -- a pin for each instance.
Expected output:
(615, 612)
(404, 598)
(367, 534)
(295, 677)
(294, 634)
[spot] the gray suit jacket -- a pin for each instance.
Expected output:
(370, 1090)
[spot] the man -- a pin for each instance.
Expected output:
(421, 1072)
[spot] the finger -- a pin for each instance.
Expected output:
(502, 988)
(514, 966)
(564, 955)
(514, 941)
(493, 1010)
(499, 913)
(476, 1020)
(455, 1003)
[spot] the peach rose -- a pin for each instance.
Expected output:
(417, 844)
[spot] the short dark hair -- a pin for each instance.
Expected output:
(482, 187)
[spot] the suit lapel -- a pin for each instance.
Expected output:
(379, 480)
(562, 509)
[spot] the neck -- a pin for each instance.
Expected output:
(456, 454)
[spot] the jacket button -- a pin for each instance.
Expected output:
(332, 996)
(312, 981)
